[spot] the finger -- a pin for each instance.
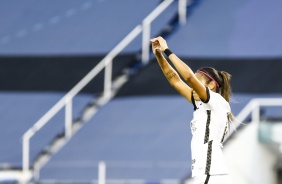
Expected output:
(160, 38)
(154, 40)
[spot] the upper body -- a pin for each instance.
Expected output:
(209, 127)
(208, 90)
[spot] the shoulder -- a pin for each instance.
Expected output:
(216, 100)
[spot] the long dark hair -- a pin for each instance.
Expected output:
(222, 78)
(223, 86)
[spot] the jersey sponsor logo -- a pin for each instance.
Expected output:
(193, 125)
(193, 162)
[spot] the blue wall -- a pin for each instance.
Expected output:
(225, 28)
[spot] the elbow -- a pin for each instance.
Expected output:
(189, 78)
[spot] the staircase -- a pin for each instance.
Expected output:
(30, 170)
(89, 111)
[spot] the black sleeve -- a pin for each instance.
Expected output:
(208, 96)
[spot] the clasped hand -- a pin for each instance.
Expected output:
(158, 44)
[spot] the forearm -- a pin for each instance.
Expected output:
(171, 75)
(184, 70)
(189, 76)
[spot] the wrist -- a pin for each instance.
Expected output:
(168, 52)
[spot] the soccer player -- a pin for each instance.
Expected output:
(208, 90)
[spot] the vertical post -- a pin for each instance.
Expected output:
(146, 24)
(146, 41)
(25, 153)
(68, 117)
(182, 5)
(256, 112)
(108, 77)
(102, 173)
(36, 174)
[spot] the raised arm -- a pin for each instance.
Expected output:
(172, 76)
(184, 70)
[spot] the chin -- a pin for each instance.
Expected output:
(196, 98)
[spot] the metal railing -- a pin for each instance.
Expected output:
(102, 169)
(253, 109)
(146, 35)
(66, 101)
(106, 62)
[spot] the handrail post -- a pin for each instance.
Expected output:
(25, 155)
(146, 34)
(182, 5)
(256, 111)
(68, 117)
(146, 24)
(102, 173)
(108, 77)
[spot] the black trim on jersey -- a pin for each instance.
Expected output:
(224, 133)
(209, 154)
(193, 101)
(207, 179)
(207, 133)
(208, 96)
(225, 129)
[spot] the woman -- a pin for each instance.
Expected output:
(209, 92)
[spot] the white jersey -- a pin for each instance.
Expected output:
(209, 126)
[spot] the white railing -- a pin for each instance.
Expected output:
(253, 109)
(146, 23)
(147, 29)
(122, 167)
(66, 101)
(163, 165)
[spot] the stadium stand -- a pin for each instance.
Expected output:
(74, 28)
(46, 48)
(19, 111)
(228, 29)
(139, 138)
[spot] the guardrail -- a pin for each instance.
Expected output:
(253, 109)
(146, 23)
(66, 101)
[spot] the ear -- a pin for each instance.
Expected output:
(212, 86)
